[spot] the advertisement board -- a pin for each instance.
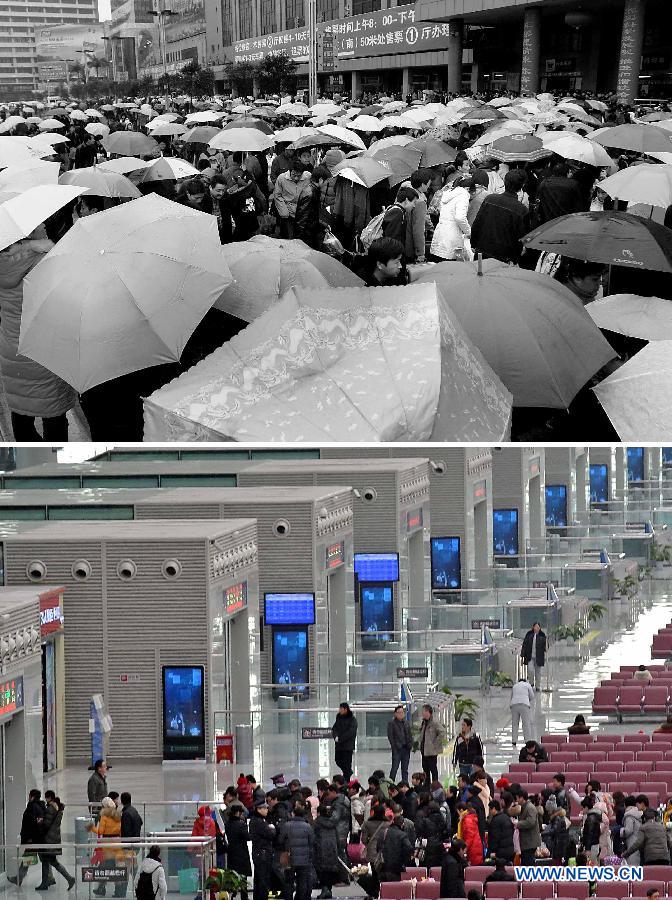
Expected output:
(294, 43)
(505, 532)
(377, 566)
(446, 565)
(599, 484)
(377, 611)
(183, 712)
(59, 42)
(56, 71)
(289, 609)
(190, 19)
(556, 505)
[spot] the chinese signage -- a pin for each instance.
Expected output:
(56, 71)
(543, 584)
(224, 748)
(11, 696)
(326, 61)
(480, 491)
(535, 466)
(295, 44)
(316, 734)
(104, 873)
(235, 598)
(414, 519)
(412, 672)
(51, 615)
(486, 623)
(187, 20)
(335, 555)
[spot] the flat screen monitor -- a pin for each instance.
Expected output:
(183, 712)
(289, 609)
(377, 566)
(556, 505)
(377, 611)
(635, 464)
(667, 456)
(505, 532)
(599, 484)
(290, 659)
(446, 569)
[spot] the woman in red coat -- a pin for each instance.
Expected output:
(468, 831)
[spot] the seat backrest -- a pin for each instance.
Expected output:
(635, 738)
(435, 873)
(603, 776)
(650, 756)
(605, 697)
(554, 738)
(538, 889)
(591, 756)
(522, 767)
(578, 890)
(477, 873)
(621, 755)
(639, 888)
(505, 889)
(661, 737)
(396, 890)
(657, 873)
(630, 695)
(428, 890)
(580, 739)
(563, 756)
(628, 787)
(547, 767)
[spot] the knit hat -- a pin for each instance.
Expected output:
(333, 158)
(108, 803)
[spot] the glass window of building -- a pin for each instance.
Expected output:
(294, 14)
(227, 23)
(327, 10)
(364, 6)
(268, 25)
(246, 18)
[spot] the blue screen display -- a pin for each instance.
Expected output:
(290, 657)
(377, 566)
(183, 701)
(556, 505)
(289, 609)
(635, 464)
(505, 532)
(667, 456)
(599, 484)
(377, 615)
(446, 569)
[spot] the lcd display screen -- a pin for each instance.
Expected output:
(556, 505)
(667, 456)
(505, 532)
(290, 658)
(635, 464)
(599, 484)
(377, 611)
(183, 712)
(377, 566)
(289, 609)
(446, 569)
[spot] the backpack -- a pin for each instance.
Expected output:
(373, 230)
(145, 887)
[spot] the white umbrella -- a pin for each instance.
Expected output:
(77, 115)
(573, 146)
(344, 134)
(168, 168)
(50, 124)
(401, 121)
(650, 184)
(289, 135)
(94, 113)
(20, 216)
(169, 129)
(125, 164)
(502, 129)
(14, 150)
(100, 182)
(242, 108)
(293, 109)
(11, 122)
(242, 140)
(207, 115)
(47, 139)
(662, 156)
(646, 318)
(97, 128)
(365, 123)
(31, 174)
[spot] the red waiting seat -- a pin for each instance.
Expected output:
(635, 738)
(522, 767)
(397, 890)
(628, 787)
(478, 873)
(563, 756)
(665, 765)
(621, 755)
(630, 700)
(611, 765)
(506, 890)
(428, 890)
(546, 767)
(650, 756)
(604, 776)
(537, 890)
(577, 889)
(661, 737)
(559, 738)
(580, 739)
(656, 699)
(604, 699)
(592, 756)
(657, 873)
(473, 885)
(435, 873)
(639, 888)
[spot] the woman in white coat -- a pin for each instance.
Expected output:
(453, 227)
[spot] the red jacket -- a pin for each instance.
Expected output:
(472, 838)
(204, 825)
(245, 793)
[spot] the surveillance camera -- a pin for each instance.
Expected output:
(356, 493)
(439, 467)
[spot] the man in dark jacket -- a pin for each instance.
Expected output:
(51, 834)
(396, 851)
(533, 752)
(408, 800)
(395, 218)
(452, 870)
(500, 834)
(215, 202)
(468, 747)
(344, 732)
(502, 221)
(131, 828)
(298, 837)
(96, 787)
(401, 743)
(31, 829)
(340, 813)
(533, 654)
(559, 195)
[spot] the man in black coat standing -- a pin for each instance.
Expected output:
(131, 828)
(452, 870)
(502, 221)
(32, 825)
(533, 654)
(344, 732)
(401, 743)
(298, 838)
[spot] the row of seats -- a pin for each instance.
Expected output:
(662, 643)
(664, 754)
(617, 699)
(618, 740)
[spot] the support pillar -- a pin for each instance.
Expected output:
(356, 87)
(455, 32)
(405, 82)
(529, 68)
(632, 39)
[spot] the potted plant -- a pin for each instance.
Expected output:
(464, 706)
(224, 884)
(500, 680)
(626, 587)
(660, 555)
(571, 636)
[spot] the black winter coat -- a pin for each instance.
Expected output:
(432, 827)
(500, 837)
(262, 835)
(340, 811)
(409, 804)
(452, 877)
(326, 844)
(237, 856)
(590, 834)
(51, 833)
(394, 224)
(396, 851)
(31, 823)
(131, 822)
(344, 730)
(297, 836)
(526, 649)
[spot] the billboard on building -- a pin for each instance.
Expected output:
(60, 42)
(295, 44)
(190, 19)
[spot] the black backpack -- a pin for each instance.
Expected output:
(145, 887)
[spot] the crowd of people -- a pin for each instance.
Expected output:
(467, 204)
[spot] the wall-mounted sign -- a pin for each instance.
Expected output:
(480, 491)
(335, 555)
(129, 678)
(486, 623)
(11, 696)
(51, 614)
(316, 734)
(412, 672)
(543, 584)
(535, 466)
(104, 874)
(235, 598)
(224, 748)
(414, 519)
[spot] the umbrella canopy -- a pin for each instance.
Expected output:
(257, 124)
(394, 106)
(434, 153)
(531, 329)
(598, 105)
(202, 134)
(107, 107)
(12, 121)
(293, 134)
(27, 175)
(333, 364)
(47, 139)
(612, 238)
(264, 269)
(363, 170)
(397, 140)
(242, 108)
(365, 123)
(398, 122)
(293, 109)
(168, 129)
(657, 116)
(78, 115)
(480, 114)
(124, 165)
(646, 318)
(636, 397)
(649, 183)
(130, 143)
(327, 108)
(315, 140)
(50, 125)
(168, 168)
(408, 156)
(640, 138)
(518, 148)
(21, 215)
(575, 147)
(346, 135)
(100, 182)
(97, 128)
(13, 151)
(241, 140)
(207, 115)
(123, 290)
(502, 129)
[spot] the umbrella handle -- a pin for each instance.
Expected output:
(479, 264)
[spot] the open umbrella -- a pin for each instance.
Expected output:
(636, 397)
(502, 128)
(78, 115)
(97, 128)
(123, 290)
(93, 114)
(202, 134)
(400, 121)
(346, 135)
(395, 106)
(125, 164)
(333, 364)
(130, 143)
(13, 151)
(168, 129)
(200, 118)
(50, 125)
(167, 168)
(518, 148)
(575, 147)
(27, 175)
(47, 139)
(646, 318)
(648, 184)
(264, 269)
(531, 329)
(21, 215)
(434, 153)
(315, 140)
(611, 238)
(293, 109)
(100, 182)
(639, 138)
(240, 140)
(326, 108)
(396, 140)
(290, 135)
(363, 170)
(242, 109)
(409, 156)
(480, 114)
(257, 124)
(365, 123)
(12, 121)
